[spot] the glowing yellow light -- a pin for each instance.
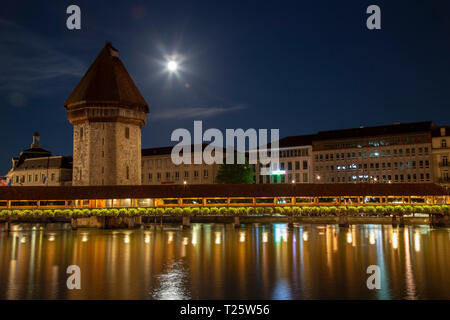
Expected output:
(242, 237)
(395, 240)
(84, 238)
(172, 66)
(51, 238)
(305, 236)
(170, 237)
(218, 238)
(417, 241)
(284, 236)
(126, 239)
(194, 238)
(372, 237)
(147, 239)
(185, 241)
(349, 237)
(265, 237)
(23, 240)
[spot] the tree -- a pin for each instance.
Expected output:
(235, 174)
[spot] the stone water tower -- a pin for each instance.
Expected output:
(107, 112)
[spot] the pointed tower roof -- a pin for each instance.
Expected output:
(107, 81)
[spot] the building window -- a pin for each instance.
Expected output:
(305, 177)
(443, 143)
(158, 176)
(195, 174)
(128, 173)
(53, 177)
(297, 165)
(289, 165)
(81, 133)
(205, 173)
(167, 175)
(127, 133)
(177, 175)
(186, 174)
(150, 177)
(305, 165)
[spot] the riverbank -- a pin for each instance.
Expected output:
(185, 222)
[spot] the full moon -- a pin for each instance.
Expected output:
(172, 66)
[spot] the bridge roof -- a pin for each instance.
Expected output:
(220, 190)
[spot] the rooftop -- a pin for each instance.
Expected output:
(393, 129)
(220, 190)
(107, 81)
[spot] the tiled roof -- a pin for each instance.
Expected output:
(55, 162)
(394, 129)
(220, 190)
(166, 150)
(107, 81)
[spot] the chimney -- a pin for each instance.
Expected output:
(36, 143)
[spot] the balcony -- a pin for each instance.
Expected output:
(444, 180)
(444, 164)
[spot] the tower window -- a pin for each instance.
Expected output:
(127, 133)
(81, 133)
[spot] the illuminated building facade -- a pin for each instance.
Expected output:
(296, 158)
(158, 168)
(441, 155)
(398, 153)
(38, 167)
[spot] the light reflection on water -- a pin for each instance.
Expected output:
(217, 261)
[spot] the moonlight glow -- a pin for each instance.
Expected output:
(172, 66)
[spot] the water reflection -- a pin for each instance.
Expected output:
(216, 261)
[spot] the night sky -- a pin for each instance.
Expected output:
(300, 66)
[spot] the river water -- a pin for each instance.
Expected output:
(217, 261)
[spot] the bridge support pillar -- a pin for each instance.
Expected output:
(186, 222)
(237, 222)
(402, 222)
(291, 222)
(343, 221)
(6, 226)
(73, 223)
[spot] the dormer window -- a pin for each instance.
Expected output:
(444, 143)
